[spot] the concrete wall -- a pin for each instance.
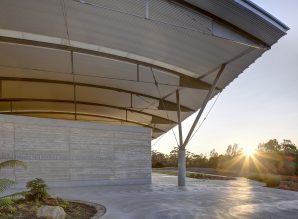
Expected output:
(66, 153)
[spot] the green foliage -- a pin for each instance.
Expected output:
(278, 158)
(12, 164)
(63, 203)
(196, 175)
(6, 201)
(270, 146)
(274, 146)
(158, 159)
(288, 147)
(6, 207)
(271, 180)
(38, 190)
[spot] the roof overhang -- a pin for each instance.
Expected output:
(120, 62)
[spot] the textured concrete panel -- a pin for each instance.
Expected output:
(66, 153)
(37, 137)
(6, 136)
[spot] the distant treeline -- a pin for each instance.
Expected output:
(270, 157)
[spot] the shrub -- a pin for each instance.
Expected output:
(158, 165)
(38, 190)
(195, 175)
(257, 177)
(272, 181)
(63, 203)
(6, 203)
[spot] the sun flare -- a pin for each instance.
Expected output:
(249, 151)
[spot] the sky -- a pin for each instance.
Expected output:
(261, 104)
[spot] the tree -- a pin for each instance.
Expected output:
(158, 159)
(271, 146)
(288, 147)
(233, 150)
(271, 157)
(173, 157)
(197, 160)
(213, 159)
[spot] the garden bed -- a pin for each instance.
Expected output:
(24, 209)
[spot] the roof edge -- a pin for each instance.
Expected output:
(264, 14)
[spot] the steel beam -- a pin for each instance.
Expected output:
(170, 105)
(155, 119)
(80, 114)
(179, 118)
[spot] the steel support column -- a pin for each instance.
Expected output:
(181, 151)
(181, 167)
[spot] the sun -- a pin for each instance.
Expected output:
(249, 151)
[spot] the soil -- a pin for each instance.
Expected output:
(23, 209)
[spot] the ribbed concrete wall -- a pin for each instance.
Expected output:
(66, 153)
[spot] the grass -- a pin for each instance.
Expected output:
(270, 180)
(167, 172)
(192, 174)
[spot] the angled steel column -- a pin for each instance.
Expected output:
(181, 151)
(207, 98)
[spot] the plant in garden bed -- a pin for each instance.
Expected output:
(38, 196)
(7, 202)
(38, 190)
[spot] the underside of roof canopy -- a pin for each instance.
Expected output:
(122, 62)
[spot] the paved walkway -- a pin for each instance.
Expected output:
(199, 199)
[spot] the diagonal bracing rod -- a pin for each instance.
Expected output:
(207, 98)
(179, 119)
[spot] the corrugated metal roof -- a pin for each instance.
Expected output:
(109, 61)
(247, 16)
(267, 14)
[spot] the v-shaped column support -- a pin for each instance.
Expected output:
(182, 145)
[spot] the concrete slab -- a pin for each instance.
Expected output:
(239, 198)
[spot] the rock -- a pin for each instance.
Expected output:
(51, 212)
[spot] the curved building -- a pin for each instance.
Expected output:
(144, 63)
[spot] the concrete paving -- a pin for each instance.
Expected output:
(162, 199)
